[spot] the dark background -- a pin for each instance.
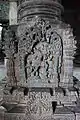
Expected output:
(72, 16)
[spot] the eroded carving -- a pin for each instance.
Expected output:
(42, 52)
(10, 47)
(39, 104)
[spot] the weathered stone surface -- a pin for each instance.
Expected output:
(40, 53)
(13, 13)
(10, 49)
(40, 65)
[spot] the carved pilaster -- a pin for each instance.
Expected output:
(10, 50)
(68, 56)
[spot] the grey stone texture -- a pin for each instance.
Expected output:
(39, 52)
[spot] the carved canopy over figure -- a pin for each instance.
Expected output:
(44, 59)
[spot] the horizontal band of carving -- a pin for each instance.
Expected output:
(50, 8)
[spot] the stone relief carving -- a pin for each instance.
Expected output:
(10, 49)
(42, 49)
(41, 57)
(39, 104)
(68, 53)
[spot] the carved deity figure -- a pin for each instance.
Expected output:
(42, 62)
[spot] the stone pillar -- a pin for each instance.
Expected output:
(40, 53)
(68, 53)
(13, 12)
(44, 48)
(10, 52)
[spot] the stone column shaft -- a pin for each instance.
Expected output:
(13, 13)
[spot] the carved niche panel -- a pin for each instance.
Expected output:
(42, 47)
